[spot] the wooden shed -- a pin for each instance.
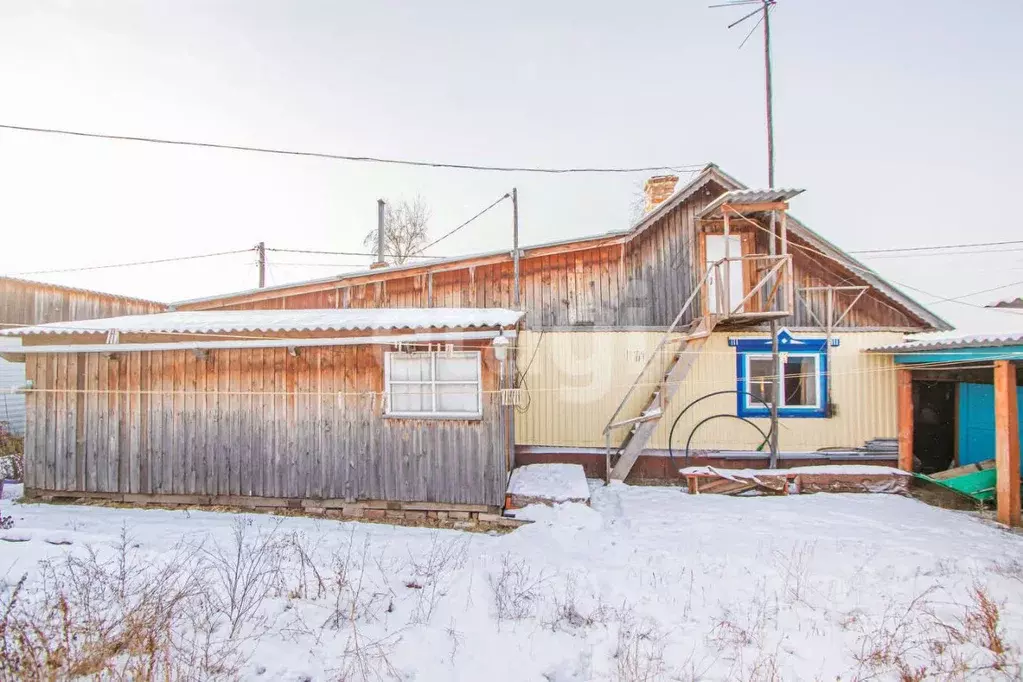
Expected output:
(311, 407)
(26, 302)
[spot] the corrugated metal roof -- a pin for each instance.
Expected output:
(740, 197)
(1015, 302)
(231, 321)
(960, 341)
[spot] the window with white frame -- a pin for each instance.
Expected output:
(802, 367)
(434, 384)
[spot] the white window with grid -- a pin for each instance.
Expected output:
(444, 384)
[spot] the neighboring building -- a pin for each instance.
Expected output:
(24, 302)
(1016, 303)
(959, 399)
(619, 334)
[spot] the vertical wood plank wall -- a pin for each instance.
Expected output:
(24, 302)
(251, 422)
(642, 283)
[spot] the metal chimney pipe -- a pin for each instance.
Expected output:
(381, 212)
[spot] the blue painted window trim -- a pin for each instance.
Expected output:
(749, 347)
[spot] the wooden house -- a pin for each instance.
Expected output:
(25, 302)
(630, 343)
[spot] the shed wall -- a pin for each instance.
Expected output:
(251, 422)
(576, 380)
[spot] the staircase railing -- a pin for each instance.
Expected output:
(778, 275)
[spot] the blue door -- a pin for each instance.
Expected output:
(977, 422)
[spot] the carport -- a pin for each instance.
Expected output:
(958, 405)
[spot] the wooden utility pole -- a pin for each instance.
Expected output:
(765, 18)
(773, 326)
(261, 260)
(515, 240)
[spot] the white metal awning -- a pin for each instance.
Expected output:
(316, 320)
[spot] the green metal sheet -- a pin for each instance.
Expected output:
(979, 485)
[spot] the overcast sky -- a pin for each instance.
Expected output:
(900, 119)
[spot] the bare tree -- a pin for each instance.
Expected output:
(405, 229)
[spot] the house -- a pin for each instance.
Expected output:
(628, 343)
(959, 400)
(25, 302)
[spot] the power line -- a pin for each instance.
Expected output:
(938, 248)
(132, 264)
(448, 234)
(953, 254)
(347, 157)
(342, 253)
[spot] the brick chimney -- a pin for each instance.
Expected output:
(657, 189)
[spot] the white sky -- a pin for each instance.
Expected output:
(901, 120)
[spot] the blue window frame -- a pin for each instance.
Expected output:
(803, 366)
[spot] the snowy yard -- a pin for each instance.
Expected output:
(648, 584)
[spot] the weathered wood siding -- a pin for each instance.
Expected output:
(251, 422)
(23, 303)
(642, 283)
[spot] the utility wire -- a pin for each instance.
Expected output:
(342, 253)
(938, 248)
(128, 265)
(448, 234)
(346, 157)
(933, 254)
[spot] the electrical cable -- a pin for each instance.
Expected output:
(448, 234)
(128, 265)
(343, 157)
(342, 253)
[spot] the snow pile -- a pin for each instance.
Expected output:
(552, 482)
(645, 584)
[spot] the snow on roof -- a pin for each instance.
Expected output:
(226, 321)
(953, 341)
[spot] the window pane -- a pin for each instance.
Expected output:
(761, 381)
(411, 398)
(458, 367)
(801, 381)
(457, 398)
(409, 367)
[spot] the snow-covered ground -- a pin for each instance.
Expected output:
(647, 584)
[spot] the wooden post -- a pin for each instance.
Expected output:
(515, 242)
(728, 271)
(1007, 443)
(905, 403)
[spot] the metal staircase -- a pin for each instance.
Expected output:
(684, 348)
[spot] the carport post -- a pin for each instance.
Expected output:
(905, 418)
(1007, 442)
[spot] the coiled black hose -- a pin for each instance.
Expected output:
(671, 433)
